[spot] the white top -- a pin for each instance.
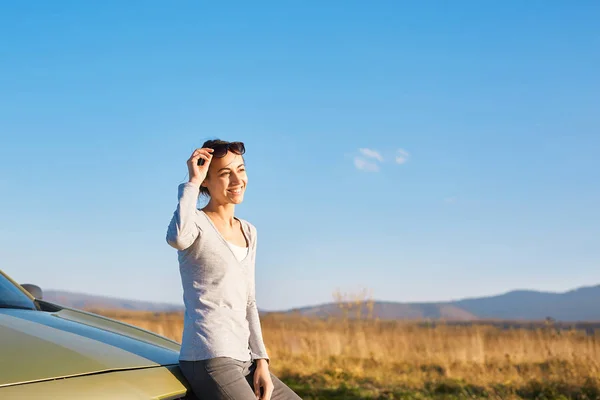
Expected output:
(239, 251)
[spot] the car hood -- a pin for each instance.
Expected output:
(37, 345)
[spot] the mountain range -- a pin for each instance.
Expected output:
(87, 302)
(581, 304)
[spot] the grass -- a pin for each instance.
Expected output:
(369, 359)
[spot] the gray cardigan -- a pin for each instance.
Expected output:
(221, 318)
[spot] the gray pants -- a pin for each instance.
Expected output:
(224, 378)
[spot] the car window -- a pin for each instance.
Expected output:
(11, 296)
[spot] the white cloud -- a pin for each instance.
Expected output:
(402, 156)
(365, 165)
(370, 159)
(371, 154)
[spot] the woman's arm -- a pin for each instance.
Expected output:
(182, 229)
(257, 345)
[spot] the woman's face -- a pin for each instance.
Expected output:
(226, 180)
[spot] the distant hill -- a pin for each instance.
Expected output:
(582, 304)
(86, 301)
(389, 310)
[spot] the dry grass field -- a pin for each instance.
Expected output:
(369, 359)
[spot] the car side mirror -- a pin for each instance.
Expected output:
(34, 290)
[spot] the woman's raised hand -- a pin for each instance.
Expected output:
(198, 172)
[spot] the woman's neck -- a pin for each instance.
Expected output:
(224, 212)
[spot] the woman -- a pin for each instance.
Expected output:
(223, 355)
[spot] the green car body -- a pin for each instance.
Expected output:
(48, 351)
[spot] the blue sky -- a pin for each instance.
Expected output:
(490, 107)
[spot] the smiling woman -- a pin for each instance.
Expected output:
(220, 150)
(223, 355)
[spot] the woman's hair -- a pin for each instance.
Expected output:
(211, 144)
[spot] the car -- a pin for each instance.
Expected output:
(48, 351)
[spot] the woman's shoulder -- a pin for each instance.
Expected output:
(247, 223)
(248, 226)
(202, 219)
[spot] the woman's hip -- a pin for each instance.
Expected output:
(219, 378)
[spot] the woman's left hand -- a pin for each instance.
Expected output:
(262, 380)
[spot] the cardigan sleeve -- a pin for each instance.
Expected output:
(256, 342)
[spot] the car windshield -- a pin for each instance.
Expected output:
(12, 297)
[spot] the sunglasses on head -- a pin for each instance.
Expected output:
(220, 150)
